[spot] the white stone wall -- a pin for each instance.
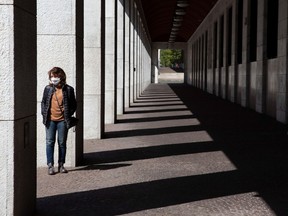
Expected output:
(56, 42)
(259, 85)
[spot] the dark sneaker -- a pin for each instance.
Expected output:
(61, 168)
(51, 170)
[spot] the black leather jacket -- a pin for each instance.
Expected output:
(69, 103)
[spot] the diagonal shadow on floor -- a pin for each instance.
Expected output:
(256, 144)
(141, 153)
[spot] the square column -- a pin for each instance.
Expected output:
(93, 79)
(261, 75)
(137, 59)
(244, 68)
(127, 53)
(18, 107)
(120, 57)
(155, 64)
(60, 43)
(110, 67)
(132, 51)
(188, 64)
(281, 102)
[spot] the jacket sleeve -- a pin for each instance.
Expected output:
(72, 101)
(44, 100)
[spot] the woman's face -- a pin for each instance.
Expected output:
(55, 79)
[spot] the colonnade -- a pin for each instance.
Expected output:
(239, 53)
(103, 47)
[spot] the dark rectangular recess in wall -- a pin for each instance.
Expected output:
(229, 37)
(206, 50)
(215, 47)
(221, 42)
(239, 31)
(203, 60)
(209, 49)
(253, 30)
(206, 60)
(272, 28)
(203, 52)
(196, 58)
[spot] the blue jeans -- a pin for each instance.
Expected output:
(51, 129)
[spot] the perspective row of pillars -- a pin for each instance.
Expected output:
(104, 50)
(224, 37)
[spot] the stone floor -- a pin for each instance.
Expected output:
(168, 75)
(176, 151)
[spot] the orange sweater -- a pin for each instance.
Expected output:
(56, 112)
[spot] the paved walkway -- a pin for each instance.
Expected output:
(168, 75)
(176, 151)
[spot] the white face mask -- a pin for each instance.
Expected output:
(55, 80)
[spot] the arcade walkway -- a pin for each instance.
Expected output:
(176, 151)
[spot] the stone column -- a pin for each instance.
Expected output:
(281, 99)
(217, 68)
(243, 68)
(132, 50)
(138, 57)
(233, 71)
(110, 109)
(154, 67)
(193, 63)
(127, 53)
(261, 59)
(188, 64)
(60, 43)
(142, 56)
(120, 57)
(135, 56)
(92, 70)
(187, 59)
(18, 107)
(224, 69)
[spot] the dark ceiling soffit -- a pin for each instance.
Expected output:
(143, 18)
(159, 17)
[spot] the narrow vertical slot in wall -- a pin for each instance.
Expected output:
(229, 37)
(239, 31)
(253, 30)
(272, 28)
(221, 41)
(215, 47)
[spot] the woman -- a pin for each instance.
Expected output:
(57, 106)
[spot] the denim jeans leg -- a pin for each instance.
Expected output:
(62, 140)
(50, 141)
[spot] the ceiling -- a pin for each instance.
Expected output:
(159, 18)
